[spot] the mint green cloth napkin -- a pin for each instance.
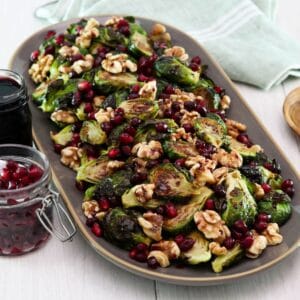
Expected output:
(240, 34)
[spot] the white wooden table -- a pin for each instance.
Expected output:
(74, 271)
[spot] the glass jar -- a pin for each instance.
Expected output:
(15, 116)
(20, 228)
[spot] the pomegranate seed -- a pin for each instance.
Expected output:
(141, 247)
(107, 127)
(260, 226)
(220, 190)
(133, 96)
(122, 48)
(135, 88)
(50, 34)
(125, 138)
(179, 239)
(12, 185)
(24, 181)
(176, 106)
(88, 108)
(135, 122)
(75, 57)
(16, 250)
(160, 210)
(84, 86)
(133, 253)
(90, 221)
(290, 191)
(118, 119)
(104, 204)
(287, 183)
(11, 201)
(167, 113)
(126, 150)
(196, 60)
(186, 244)
(50, 50)
(247, 242)
(229, 243)
(171, 210)
(143, 78)
(188, 127)
(97, 61)
(35, 173)
(201, 110)
(266, 188)
(138, 177)
(19, 173)
(180, 162)
(91, 116)
(141, 256)
(89, 96)
(240, 226)
(122, 23)
(236, 234)
(243, 138)
(169, 89)
(34, 55)
(96, 230)
(58, 148)
(125, 30)
(194, 67)
(76, 99)
(218, 89)
(11, 165)
(130, 130)
(189, 105)
(263, 217)
(161, 127)
(152, 262)
(177, 117)
(114, 153)
(119, 112)
(60, 40)
(209, 204)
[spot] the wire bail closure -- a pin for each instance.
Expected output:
(67, 230)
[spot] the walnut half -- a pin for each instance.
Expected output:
(152, 225)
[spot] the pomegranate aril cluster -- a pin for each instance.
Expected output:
(139, 252)
(241, 233)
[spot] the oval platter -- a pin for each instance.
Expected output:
(64, 177)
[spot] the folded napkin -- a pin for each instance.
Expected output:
(240, 34)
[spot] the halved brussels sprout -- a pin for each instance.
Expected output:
(179, 149)
(139, 45)
(184, 221)
(242, 148)
(200, 252)
(108, 83)
(232, 256)
(140, 108)
(63, 137)
(240, 203)
(110, 37)
(92, 133)
(80, 113)
(172, 69)
(211, 129)
(170, 183)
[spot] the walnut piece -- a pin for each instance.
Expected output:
(144, 192)
(217, 249)
(178, 52)
(70, 157)
(225, 102)
(259, 244)
(39, 70)
(98, 100)
(159, 33)
(67, 117)
(67, 51)
(226, 159)
(272, 234)
(258, 191)
(118, 63)
(170, 248)
(148, 91)
(83, 65)
(152, 225)
(151, 150)
(161, 258)
(90, 208)
(104, 115)
(234, 128)
(188, 116)
(220, 174)
(113, 21)
(211, 225)
(89, 32)
(180, 133)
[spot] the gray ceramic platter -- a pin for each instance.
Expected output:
(64, 177)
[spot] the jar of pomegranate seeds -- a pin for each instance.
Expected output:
(26, 200)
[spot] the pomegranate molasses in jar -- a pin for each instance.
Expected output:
(15, 116)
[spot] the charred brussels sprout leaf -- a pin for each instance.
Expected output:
(107, 83)
(139, 45)
(240, 203)
(115, 99)
(200, 252)
(140, 108)
(92, 133)
(172, 69)
(89, 193)
(230, 258)
(122, 229)
(242, 149)
(278, 205)
(184, 222)
(113, 138)
(109, 37)
(179, 149)
(170, 183)
(73, 28)
(94, 170)
(63, 137)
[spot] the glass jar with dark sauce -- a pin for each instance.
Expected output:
(15, 116)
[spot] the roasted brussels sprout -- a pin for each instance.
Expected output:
(170, 183)
(200, 252)
(92, 133)
(113, 138)
(139, 45)
(170, 68)
(110, 37)
(140, 108)
(242, 148)
(277, 204)
(89, 193)
(63, 137)
(179, 149)
(122, 229)
(80, 113)
(184, 221)
(230, 258)
(115, 99)
(94, 170)
(240, 203)
(107, 83)
(211, 129)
